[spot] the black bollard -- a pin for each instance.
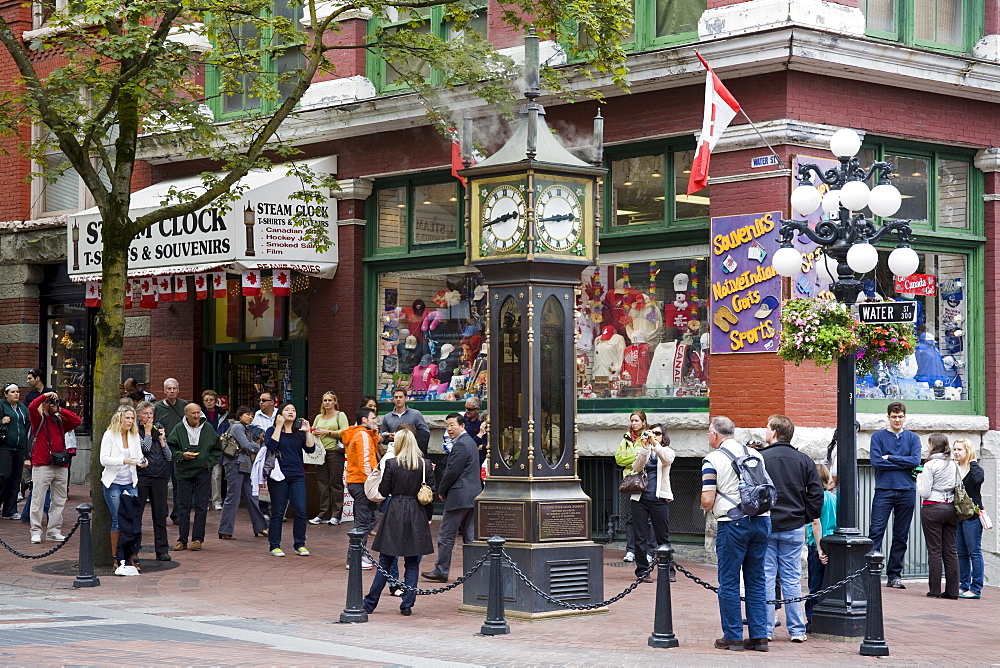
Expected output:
(354, 613)
(874, 643)
(663, 619)
(85, 574)
(495, 624)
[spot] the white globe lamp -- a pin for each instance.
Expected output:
(805, 200)
(845, 143)
(826, 268)
(903, 262)
(854, 195)
(862, 257)
(831, 202)
(786, 261)
(884, 200)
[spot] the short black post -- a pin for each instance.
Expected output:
(874, 643)
(85, 574)
(354, 613)
(663, 618)
(495, 624)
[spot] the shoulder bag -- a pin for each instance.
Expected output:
(965, 507)
(425, 494)
(371, 485)
(230, 446)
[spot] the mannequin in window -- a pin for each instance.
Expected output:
(659, 379)
(637, 359)
(449, 361)
(413, 317)
(679, 312)
(618, 303)
(609, 351)
(471, 337)
(644, 318)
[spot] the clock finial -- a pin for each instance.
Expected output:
(532, 90)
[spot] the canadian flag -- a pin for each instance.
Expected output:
(218, 284)
(148, 286)
(201, 286)
(456, 160)
(251, 283)
(281, 283)
(129, 287)
(165, 292)
(720, 109)
(180, 288)
(93, 294)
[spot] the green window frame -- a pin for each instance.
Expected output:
(413, 216)
(921, 23)
(229, 107)
(645, 190)
(432, 20)
(660, 23)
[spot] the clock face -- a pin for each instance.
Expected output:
(559, 217)
(504, 218)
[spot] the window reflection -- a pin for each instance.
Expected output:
(435, 213)
(912, 181)
(553, 380)
(638, 190)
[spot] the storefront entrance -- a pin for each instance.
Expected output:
(240, 372)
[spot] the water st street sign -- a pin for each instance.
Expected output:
(875, 313)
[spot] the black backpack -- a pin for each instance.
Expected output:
(757, 493)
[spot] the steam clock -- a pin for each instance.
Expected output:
(532, 220)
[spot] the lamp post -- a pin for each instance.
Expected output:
(846, 239)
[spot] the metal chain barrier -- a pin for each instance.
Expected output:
(574, 606)
(798, 599)
(393, 582)
(58, 546)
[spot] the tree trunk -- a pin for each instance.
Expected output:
(110, 325)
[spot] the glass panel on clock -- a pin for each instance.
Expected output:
(508, 412)
(553, 379)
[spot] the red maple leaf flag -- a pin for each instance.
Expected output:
(164, 291)
(281, 284)
(180, 288)
(251, 282)
(129, 288)
(201, 286)
(219, 284)
(148, 285)
(93, 299)
(720, 109)
(258, 307)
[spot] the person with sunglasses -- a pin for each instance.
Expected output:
(264, 418)
(654, 456)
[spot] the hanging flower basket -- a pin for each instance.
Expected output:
(822, 330)
(815, 329)
(889, 344)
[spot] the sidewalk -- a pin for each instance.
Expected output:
(233, 604)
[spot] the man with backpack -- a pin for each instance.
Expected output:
(799, 502)
(737, 491)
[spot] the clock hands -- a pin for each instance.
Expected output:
(557, 218)
(502, 219)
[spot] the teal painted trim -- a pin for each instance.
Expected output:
(627, 405)
(370, 314)
(877, 406)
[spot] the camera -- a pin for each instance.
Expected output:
(54, 401)
(297, 424)
(648, 434)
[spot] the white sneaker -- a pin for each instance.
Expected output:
(36, 538)
(334, 522)
(799, 638)
(629, 557)
(57, 537)
(218, 506)
(126, 570)
(367, 564)
(316, 520)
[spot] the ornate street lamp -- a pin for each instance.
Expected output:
(846, 241)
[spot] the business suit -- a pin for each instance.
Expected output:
(460, 485)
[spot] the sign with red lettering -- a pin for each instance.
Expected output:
(917, 284)
(746, 291)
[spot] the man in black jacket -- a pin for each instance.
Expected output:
(460, 485)
(800, 500)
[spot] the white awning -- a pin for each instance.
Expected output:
(255, 233)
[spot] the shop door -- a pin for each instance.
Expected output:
(242, 372)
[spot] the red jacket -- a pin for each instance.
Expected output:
(49, 433)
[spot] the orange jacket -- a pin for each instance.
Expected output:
(361, 452)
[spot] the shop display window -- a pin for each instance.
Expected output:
(938, 368)
(68, 354)
(641, 187)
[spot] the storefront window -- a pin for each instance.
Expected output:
(911, 178)
(431, 326)
(392, 217)
(68, 354)
(642, 330)
(953, 193)
(435, 213)
(938, 369)
(642, 185)
(687, 206)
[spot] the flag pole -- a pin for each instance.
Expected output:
(780, 161)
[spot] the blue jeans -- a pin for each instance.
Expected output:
(783, 561)
(816, 571)
(899, 502)
(112, 497)
(969, 541)
(411, 566)
(740, 545)
(290, 490)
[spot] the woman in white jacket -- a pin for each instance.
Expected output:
(655, 456)
(121, 452)
(936, 487)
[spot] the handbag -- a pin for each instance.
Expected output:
(633, 484)
(371, 485)
(985, 520)
(230, 446)
(965, 507)
(425, 494)
(61, 458)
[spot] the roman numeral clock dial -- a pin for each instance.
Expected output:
(504, 218)
(559, 218)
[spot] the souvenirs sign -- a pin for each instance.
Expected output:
(746, 291)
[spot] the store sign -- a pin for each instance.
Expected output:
(746, 291)
(879, 313)
(924, 285)
(764, 161)
(256, 233)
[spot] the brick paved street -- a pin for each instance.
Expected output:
(233, 604)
